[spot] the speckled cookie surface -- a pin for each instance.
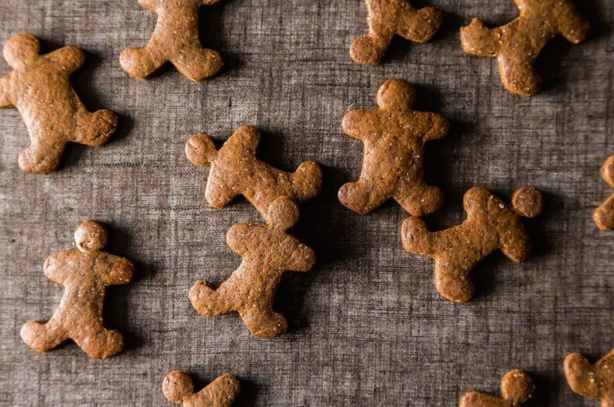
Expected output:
(491, 225)
(517, 45)
(179, 388)
(85, 273)
(39, 86)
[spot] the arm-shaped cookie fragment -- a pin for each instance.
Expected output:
(178, 388)
(604, 214)
(55, 267)
(516, 389)
(594, 381)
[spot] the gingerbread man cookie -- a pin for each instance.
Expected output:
(595, 381)
(39, 86)
(267, 252)
(85, 272)
(175, 40)
(235, 170)
(179, 388)
(516, 389)
(604, 215)
(387, 18)
(516, 45)
(393, 137)
(490, 225)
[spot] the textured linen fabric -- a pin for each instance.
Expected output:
(367, 327)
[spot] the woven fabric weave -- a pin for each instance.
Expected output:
(367, 327)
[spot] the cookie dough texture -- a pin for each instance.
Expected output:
(267, 251)
(595, 381)
(387, 18)
(393, 160)
(85, 273)
(491, 224)
(516, 389)
(604, 215)
(39, 86)
(235, 171)
(179, 388)
(175, 40)
(517, 45)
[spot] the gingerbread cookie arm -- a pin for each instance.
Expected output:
(516, 245)
(572, 25)
(436, 126)
(55, 267)
(6, 99)
(69, 58)
(245, 138)
(115, 270)
(355, 124)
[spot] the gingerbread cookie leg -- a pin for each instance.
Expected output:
(359, 197)
(262, 321)
(210, 301)
(99, 343)
(140, 63)
(452, 281)
(518, 76)
(43, 336)
(41, 158)
(197, 64)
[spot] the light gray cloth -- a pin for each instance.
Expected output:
(367, 326)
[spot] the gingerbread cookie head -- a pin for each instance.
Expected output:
(90, 236)
(21, 50)
(179, 388)
(594, 381)
(387, 18)
(85, 272)
(517, 44)
(235, 171)
(393, 156)
(516, 389)
(604, 214)
(39, 86)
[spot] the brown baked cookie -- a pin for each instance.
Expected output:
(85, 273)
(179, 388)
(392, 167)
(174, 40)
(235, 170)
(388, 18)
(516, 389)
(39, 86)
(604, 215)
(516, 45)
(490, 225)
(267, 252)
(595, 381)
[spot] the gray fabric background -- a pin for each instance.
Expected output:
(367, 326)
